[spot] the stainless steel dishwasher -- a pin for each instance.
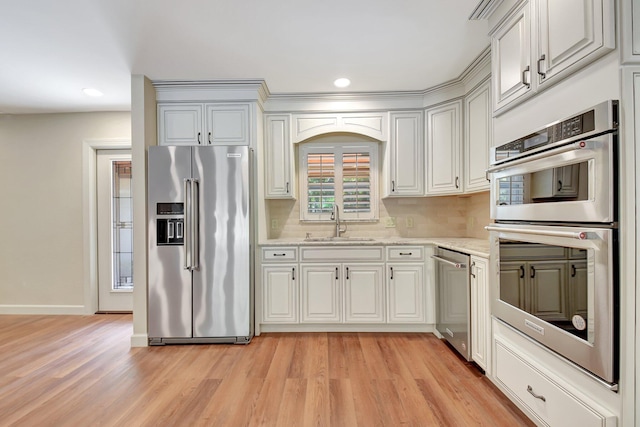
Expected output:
(453, 289)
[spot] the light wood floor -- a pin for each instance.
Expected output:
(81, 371)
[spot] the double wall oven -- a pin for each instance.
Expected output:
(554, 237)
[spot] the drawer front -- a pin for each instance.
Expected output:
(552, 404)
(405, 253)
(332, 253)
(279, 254)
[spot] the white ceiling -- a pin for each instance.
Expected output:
(50, 50)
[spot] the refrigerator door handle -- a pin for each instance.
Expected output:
(187, 223)
(195, 228)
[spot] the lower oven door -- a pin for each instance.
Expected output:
(558, 285)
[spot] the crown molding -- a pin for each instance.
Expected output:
(484, 9)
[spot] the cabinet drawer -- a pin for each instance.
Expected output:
(405, 253)
(548, 401)
(279, 254)
(332, 253)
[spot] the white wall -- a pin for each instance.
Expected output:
(41, 211)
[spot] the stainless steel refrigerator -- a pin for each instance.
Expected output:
(200, 245)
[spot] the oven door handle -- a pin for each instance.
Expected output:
(579, 235)
(446, 261)
(578, 145)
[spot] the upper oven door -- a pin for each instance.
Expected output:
(571, 183)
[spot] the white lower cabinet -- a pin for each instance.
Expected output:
(364, 293)
(480, 312)
(350, 293)
(545, 399)
(279, 294)
(405, 292)
(321, 299)
(546, 387)
(343, 285)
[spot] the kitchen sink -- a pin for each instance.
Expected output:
(338, 239)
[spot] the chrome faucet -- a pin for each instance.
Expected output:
(335, 215)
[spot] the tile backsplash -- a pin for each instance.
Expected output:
(447, 216)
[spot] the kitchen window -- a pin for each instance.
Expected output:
(342, 174)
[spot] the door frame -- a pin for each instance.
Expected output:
(90, 148)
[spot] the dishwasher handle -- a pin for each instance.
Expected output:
(446, 261)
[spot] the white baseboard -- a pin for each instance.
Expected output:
(377, 327)
(42, 309)
(139, 340)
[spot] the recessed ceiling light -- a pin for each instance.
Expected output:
(89, 91)
(342, 82)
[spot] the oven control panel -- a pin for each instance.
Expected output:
(598, 119)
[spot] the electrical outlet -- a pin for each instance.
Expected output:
(409, 222)
(274, 224)
(390, 222)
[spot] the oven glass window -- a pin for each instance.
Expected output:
(549, 282)
(557, 184)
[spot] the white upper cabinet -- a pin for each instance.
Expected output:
(511, 58)
(543, 41)
(444, 149)
(180, 124)
(278, 158)
(227, 124)
(568, 31)
(406, 155)
(477, 138)
(203, 124)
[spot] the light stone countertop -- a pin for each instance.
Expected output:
(468, 245)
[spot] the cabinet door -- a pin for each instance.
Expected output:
(279, 294)
(480, 312)
(180, 124)
(321, 302)
(444, 161)
(278, 158)
(477, 137)
(549, 290)
(227, 124)
(363, 293)
(569, 31)
(406, 155)
(511, 58)
(405, 293)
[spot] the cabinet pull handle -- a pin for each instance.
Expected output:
(279, 254)
(287, 188)
(522, 271)
(573, 270)
(293, 273)
(457, 182)
(524, 80)
(473, 264)
(391, 268)
(559, 185)
(209, 138)
(336, 273)
(533, 393)
(542, 58)
(533, 272)
(347, 273)
(406, 253)
(393, 186)
(199, 142)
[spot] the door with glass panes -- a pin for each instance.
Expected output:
(115, 231)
